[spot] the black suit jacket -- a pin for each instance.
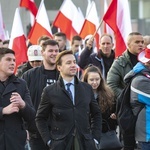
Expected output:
(84, 116)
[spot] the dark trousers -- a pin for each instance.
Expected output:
(73, 144)
(37, 144)
(129, 141)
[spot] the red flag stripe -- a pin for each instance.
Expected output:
(19, 46)
(18, 40)
(41, 25)
(65, 25)
(30, 5)
(89, 28)
(116, 17)
(111, 20)
(36, 32)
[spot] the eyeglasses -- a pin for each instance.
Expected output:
(36, 61)
(90, 65)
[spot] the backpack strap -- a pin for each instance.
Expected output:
(146, 74)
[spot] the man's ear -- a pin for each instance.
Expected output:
(42, 52)
(128, 45)
(58, 67)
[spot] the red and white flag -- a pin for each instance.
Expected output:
(30, 5)
(41, 25)
(107, 29)
(65, 17)
(2, 30)
(91, 24)
(118, 18)
(18, 40)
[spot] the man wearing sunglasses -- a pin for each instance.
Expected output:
(34, 60)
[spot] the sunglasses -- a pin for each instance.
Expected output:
(35, 61)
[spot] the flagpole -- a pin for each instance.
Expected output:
(97, 29)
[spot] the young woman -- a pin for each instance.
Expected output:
(103, 95)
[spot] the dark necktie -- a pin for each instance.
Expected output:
(69, 91)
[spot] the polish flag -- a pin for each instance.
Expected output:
(41, 25)
(91, 24)
(107, 29)
(30, 5)
(118, 18)
(18, 40)
(65, 17)
(2, 30)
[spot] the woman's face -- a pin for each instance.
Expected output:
(94, 80)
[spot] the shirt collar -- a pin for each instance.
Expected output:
(72, 81)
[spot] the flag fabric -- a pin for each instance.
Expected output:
(18, 40)
(78, 23)
(65, 17)
(2, 30)
(30, 5)
(88, 7)
(118, 18)
(91, 24)
(41, 25)
(107, 29)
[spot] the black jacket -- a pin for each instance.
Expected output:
(98, 59)
(23, 68)
(36, 81)
(12, 130)
(65, 117)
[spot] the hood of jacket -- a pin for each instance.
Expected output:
(139, 68)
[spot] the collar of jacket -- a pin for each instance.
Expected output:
(124, 59)
(100, 54)
(61, 82)
(11, 78)
(28, 65)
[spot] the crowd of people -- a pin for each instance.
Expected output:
(64, 97)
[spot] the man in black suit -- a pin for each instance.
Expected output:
(74, 113)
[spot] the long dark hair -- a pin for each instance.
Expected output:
(105, 94)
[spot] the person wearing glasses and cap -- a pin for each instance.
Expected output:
(140, 95)
(34, 60)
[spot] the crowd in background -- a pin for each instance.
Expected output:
(97, 79)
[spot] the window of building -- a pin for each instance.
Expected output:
(146, 7)
(134, 8)
(50, 4)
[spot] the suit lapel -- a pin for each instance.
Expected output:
(10, 87)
